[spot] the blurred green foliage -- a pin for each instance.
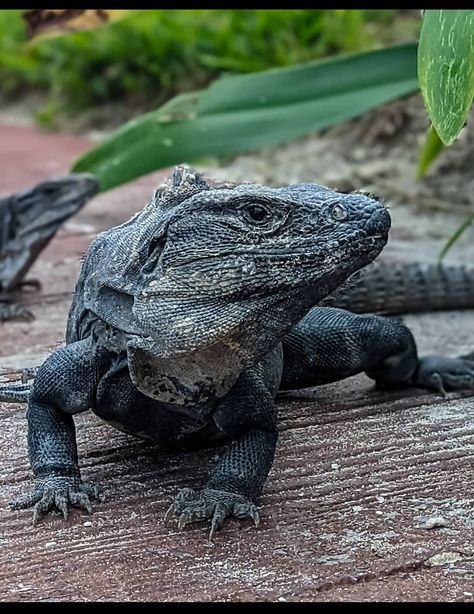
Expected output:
(152, 55)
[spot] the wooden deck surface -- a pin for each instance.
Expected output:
(359, 480)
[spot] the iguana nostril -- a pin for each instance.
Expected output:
(379, 222)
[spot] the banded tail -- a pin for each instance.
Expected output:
(14, 392)
(390, 289)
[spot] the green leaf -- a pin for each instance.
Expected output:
(246, 112)
(431, 149)
(455, 236)
(446, 69)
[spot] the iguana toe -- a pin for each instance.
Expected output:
(216, 505)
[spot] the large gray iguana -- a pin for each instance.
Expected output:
(188, 319)
(28, 221)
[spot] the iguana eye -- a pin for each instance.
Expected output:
(256, 213)
(339, 212)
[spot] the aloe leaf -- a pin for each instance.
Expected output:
(247, 112)
(430, 150)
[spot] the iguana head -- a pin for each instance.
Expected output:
(245, 242)
(203, 257)
(224, 270)
(273, 252)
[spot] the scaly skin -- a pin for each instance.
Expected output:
(28, 221)
(406, 288)
(188, 319)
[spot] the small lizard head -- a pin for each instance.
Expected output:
(266, 254)
(29, 220)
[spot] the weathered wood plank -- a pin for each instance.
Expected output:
(349, 488)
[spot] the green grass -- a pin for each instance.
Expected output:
(152, 55)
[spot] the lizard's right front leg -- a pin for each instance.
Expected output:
(65, 385)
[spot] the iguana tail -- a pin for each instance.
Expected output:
(406, 288)
(14, 393)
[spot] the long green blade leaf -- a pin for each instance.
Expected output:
(246, 112)
(455, 236)
(430, 150)
(446, 69)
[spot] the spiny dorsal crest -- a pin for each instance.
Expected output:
(183, 183)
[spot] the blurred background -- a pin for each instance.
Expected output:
(91, 82)
(100, 78)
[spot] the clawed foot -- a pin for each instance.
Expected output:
(59, 493)
(15, 311)
(10, 310)
(442, 373)
(216, 505)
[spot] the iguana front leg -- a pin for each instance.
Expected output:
(247, 414)
(64, 385)
(330, 344)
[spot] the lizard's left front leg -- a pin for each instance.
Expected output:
(247, 414)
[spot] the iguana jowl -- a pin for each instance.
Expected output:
(28, 221)
(188, 319)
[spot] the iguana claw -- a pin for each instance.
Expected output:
(216, 505)
(14, 311)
